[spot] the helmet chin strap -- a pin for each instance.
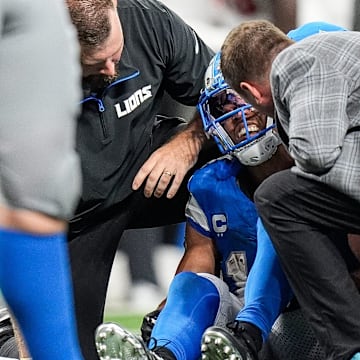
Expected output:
(259, 150)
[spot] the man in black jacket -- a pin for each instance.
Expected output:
(134, 161)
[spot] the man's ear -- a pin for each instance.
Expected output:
(251, 90)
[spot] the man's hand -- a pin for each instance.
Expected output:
(168, 165)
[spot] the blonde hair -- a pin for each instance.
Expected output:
(248, 51)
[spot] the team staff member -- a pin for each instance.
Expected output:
(133, 163)
(313, 87)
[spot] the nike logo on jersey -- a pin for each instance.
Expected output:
(133, 101)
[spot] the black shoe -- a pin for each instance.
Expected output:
(237, 343)
(10, 349)
(8, 346)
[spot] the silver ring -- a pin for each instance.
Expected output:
(168, 173)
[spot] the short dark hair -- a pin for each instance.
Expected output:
(249, 49)
(91, 19)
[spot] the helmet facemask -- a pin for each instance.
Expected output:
(217, 104)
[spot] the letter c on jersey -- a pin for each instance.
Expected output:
(219, 223)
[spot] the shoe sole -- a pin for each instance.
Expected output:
(217, 344)
(115, 343)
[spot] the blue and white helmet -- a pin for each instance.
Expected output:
(312, 28)
(254, 149)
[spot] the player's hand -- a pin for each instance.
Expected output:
(148, 324)
(167, 167)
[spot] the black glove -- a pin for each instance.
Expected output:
(147, 325)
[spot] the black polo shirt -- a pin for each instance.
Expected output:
(115, 128)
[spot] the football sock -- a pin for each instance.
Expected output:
(35, 281)
(191, 307)
(267, 290)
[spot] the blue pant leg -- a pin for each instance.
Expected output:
(267, 290)
(35, 281)
(191, 307)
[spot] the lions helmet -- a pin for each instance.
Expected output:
(254, 149)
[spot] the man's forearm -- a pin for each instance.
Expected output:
(194, 135)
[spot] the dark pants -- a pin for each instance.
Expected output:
(302, 217)
(92, 254)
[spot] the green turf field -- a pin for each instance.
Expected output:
(131, 322)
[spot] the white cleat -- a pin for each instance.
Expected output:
(115, 343)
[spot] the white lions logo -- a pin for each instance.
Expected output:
(133, 101)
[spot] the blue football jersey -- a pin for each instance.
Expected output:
(218, 209)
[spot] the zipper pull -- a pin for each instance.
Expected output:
(101, 106)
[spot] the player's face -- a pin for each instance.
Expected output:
(234, 125)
